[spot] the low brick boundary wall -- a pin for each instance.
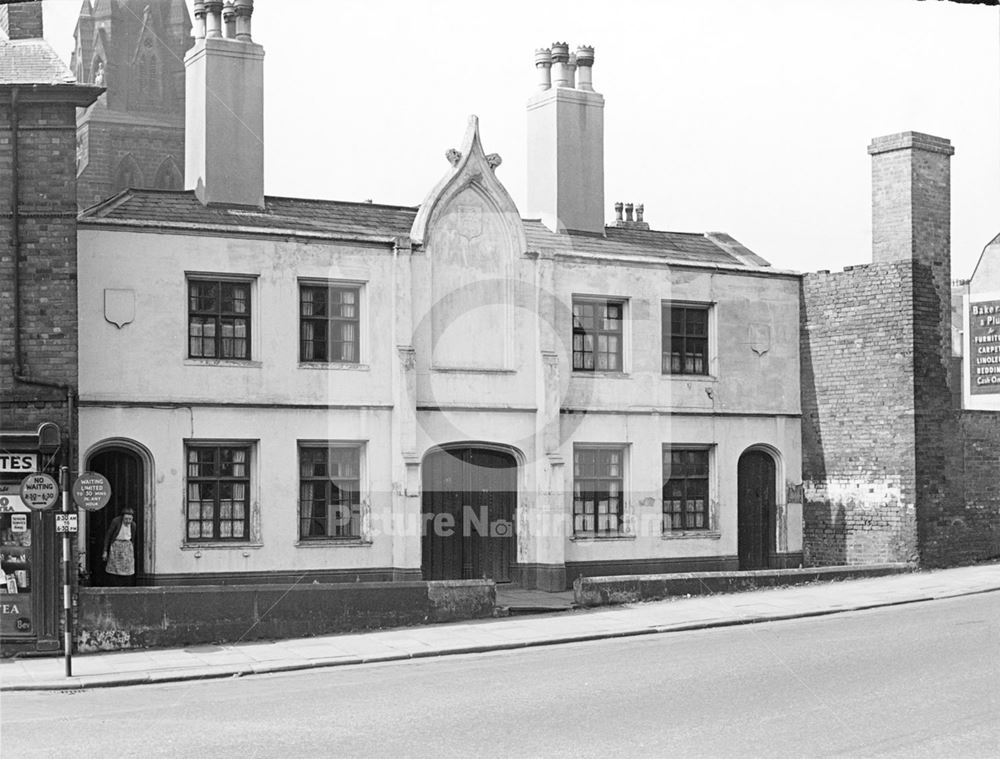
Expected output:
(608, 591)
(121, 618)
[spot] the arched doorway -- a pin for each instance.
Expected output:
(469, 499)
(125, 472)
(756, 506)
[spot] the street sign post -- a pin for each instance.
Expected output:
(39, 491)
(91, 491)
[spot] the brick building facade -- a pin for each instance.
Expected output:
(38, 305)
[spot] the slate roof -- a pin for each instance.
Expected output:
(621, 241)
(32, 61)
(172, 209)
(326, 217)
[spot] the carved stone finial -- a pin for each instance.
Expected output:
(494, 160)
(453, 156)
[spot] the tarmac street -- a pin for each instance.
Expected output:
(913, 680)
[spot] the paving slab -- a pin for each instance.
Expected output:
(106, 669)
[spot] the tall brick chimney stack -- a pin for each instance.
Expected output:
(911, 220)
(566, 142)
(21, 20)
(224, 106)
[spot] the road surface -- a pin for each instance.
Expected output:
(920, 680)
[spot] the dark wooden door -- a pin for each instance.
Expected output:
(469, 498)
(123, 468)
(756, 505)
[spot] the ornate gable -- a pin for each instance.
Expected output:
(472, 235)
(471, 170)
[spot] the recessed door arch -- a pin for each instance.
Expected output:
(757, 507)
(128, 469)
(469, 500)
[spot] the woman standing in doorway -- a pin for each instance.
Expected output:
(119, 549)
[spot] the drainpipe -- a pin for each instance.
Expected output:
(15, 213)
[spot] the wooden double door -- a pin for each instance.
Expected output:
(469, 503)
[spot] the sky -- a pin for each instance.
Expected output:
(750, 118)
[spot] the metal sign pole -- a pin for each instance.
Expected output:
(67, 576)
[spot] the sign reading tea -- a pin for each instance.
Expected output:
(984, 347)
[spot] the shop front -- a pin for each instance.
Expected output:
(29, 559)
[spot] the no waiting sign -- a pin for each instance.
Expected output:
(91, 491)
(39, 491)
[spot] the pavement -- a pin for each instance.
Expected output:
(95, 670)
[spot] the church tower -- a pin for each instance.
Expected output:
(134, 135)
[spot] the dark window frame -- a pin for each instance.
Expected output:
(686, 475)
(590, 482)
(332, 324)
(600, 313)
(218, 316)
(332, 524)
(213, 484)
(688, 335)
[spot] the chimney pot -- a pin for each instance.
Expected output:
(229, 20)
(543, 65)
(618, 212)
(628, 213)
(560, 65)
(244, 11)
(571, 71)
(584, 68)
(199, 19)
(639, 209)
(213, 18)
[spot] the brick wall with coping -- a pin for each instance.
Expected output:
(858, 437)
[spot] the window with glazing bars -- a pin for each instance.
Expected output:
(597, 491)
(685, 489)
(329, 492)
(218, 319)
(597, 335)
(218, 492)
(329, 323)
(685, 339)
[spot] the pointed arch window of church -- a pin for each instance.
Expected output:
(169, 176)
(128, 175)
(149, 76)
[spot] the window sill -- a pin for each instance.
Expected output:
(601, 375)
(691, 534)
(334, 543)
(343, 366)
(471, 370)
(227, 362)
(601, 538)
(690, 377)
(220, 546)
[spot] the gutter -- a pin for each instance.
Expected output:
(17, 370)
